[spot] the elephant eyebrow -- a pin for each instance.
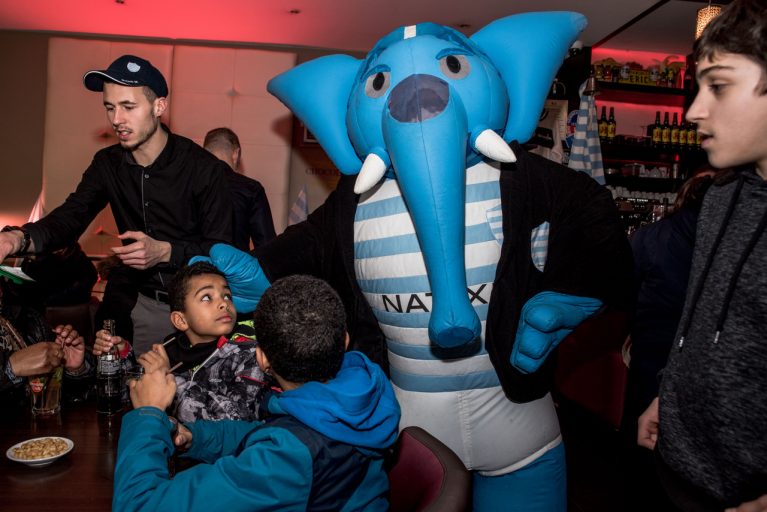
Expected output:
(453, 51)
(381, 68)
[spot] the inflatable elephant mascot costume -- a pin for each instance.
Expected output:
(459, 276)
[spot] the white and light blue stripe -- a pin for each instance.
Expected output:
(586, 152)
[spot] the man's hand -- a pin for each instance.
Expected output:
(35, 359)
(145, 252)
(153, 389)
(72, 345)
(758, 505)
(104, 343)
(10, 243)
(155, 360)
(647, 435)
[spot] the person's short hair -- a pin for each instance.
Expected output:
(221, 138)
(741, 28)
(300, 325)
(149, 93)
(178, 288)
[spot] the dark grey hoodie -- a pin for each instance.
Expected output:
(713, 398)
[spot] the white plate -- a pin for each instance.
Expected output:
(37, 463)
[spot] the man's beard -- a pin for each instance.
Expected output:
(146, 136)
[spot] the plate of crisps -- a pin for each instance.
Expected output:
(40, 451)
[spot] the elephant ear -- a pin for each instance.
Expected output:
(318, 92)
(528, 49)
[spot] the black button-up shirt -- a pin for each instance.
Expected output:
(181, 198)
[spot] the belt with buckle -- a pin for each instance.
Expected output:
(158, 295)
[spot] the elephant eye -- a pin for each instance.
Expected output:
(455, 66)
(377, 84)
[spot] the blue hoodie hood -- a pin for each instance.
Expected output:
(357, 407)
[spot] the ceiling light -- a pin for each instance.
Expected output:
(705, 15)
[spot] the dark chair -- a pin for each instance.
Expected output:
(426, 475)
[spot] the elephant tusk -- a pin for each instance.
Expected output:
(492, 145)
(371, 173)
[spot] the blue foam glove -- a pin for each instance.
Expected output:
(547, 319)
(243, 272)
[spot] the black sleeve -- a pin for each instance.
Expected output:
(304, 248)
(589, 253)
(260, 223)
(67, 222)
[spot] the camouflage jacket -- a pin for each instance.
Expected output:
(227, 385)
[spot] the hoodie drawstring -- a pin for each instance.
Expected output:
(738, 268)
(709, 261)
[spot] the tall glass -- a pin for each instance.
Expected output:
(45, 390)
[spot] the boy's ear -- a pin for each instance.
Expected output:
(178, 320)
(262, 360)
(346, 341)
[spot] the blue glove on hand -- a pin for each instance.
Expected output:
(243, 273)
(547, 319)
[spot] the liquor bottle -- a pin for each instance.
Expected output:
(692, 135)
(607, 74)
(683, 127)
(665, 131)
(675, 131)
(611, 125)
(657, 130)
(109, 381)
(602, 126)
(670, 77)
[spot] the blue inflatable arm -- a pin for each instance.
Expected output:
(547, 319)
(244, 274)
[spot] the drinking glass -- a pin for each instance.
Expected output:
(45, 390)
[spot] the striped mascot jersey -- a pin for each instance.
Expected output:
(391, 273)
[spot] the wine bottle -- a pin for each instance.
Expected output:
(657, 130)
(611, 125)
(602, 126)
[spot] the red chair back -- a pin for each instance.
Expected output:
(426, 475)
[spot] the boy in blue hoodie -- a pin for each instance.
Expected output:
(321, 448)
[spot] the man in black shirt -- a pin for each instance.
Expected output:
(168, 197)
(252, 215)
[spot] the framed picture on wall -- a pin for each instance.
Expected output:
(308, 138)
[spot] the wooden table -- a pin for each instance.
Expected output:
(81, 480)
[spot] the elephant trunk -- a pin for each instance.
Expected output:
(425, 132)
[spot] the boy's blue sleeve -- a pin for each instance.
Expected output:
(274, 470)
(212, 440)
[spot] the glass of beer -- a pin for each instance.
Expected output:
(45, 390)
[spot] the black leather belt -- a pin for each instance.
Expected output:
(158, 295)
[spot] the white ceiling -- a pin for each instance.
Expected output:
(340, 24)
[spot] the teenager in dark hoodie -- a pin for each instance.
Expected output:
(709, 425)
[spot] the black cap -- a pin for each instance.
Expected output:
(131, 71)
